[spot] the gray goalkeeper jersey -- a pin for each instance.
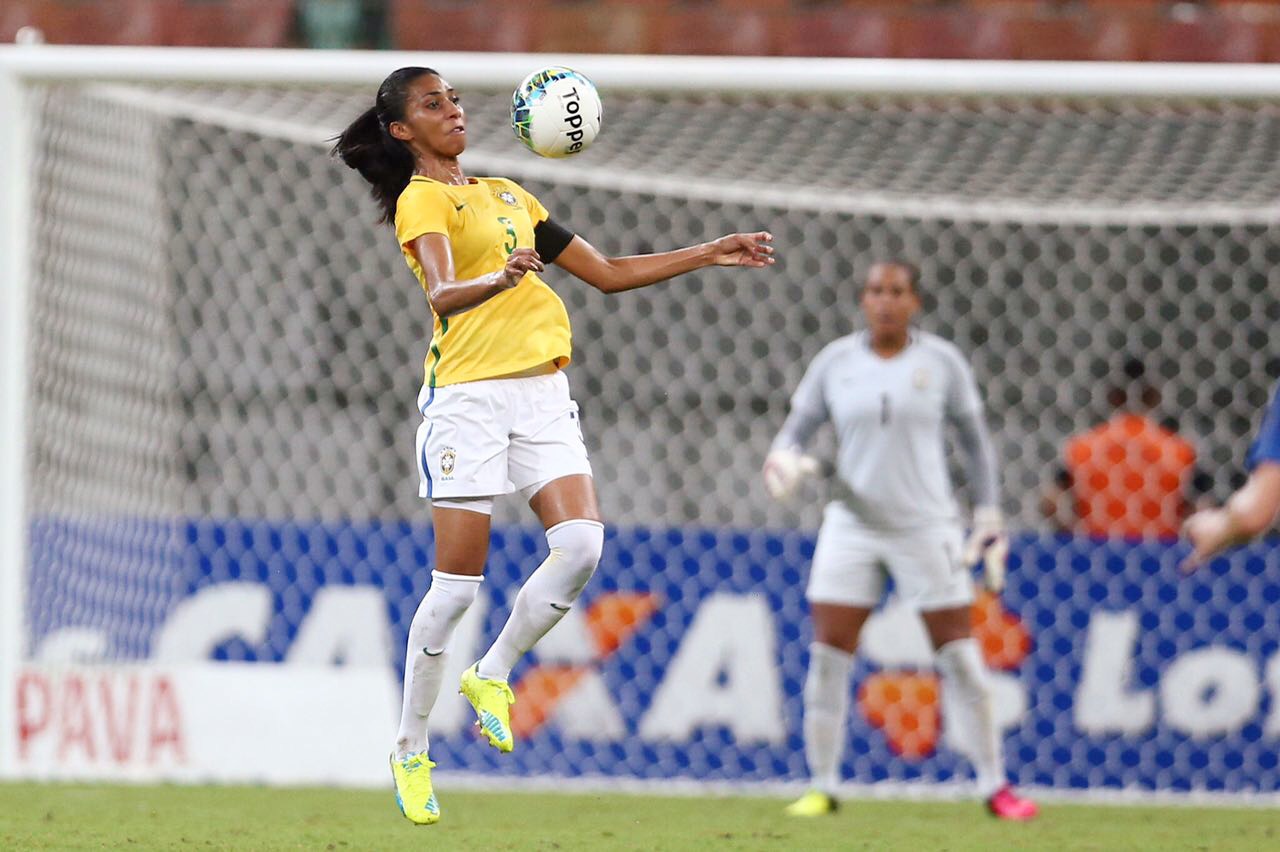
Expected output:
(889, 416)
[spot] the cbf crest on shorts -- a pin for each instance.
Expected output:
(447, 460)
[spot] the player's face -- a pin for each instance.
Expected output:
(434, 120)
(888, 300)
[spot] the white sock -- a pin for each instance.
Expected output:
(971, 720)
(433, 624)
(826, 709)
(547, 595)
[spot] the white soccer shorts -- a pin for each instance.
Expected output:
(493, 437)
(851, 562)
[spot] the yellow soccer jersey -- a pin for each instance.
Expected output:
(485, 220)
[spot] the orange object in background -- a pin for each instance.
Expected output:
(611, 620)
(906, 705)
(1129, 478)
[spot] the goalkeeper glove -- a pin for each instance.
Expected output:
(783, 471)
(990, 543)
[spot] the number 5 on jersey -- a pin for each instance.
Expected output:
(509, 246)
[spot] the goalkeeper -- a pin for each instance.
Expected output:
(889, 391)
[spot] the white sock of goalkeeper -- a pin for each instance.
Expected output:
(433, 624)
(826, 710)
(972, 719)
(547, 595)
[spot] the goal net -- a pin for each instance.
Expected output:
(221, 352)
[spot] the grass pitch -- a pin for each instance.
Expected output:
(57, 816)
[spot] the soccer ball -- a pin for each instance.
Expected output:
(556, 112)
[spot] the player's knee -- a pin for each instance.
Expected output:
(444, 605)
(576, 547)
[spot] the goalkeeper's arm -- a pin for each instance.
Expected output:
(988, 540)
(787, 464)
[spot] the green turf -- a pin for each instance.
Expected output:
(35, 816)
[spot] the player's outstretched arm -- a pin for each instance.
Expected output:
(616, 274)
(1247, 514)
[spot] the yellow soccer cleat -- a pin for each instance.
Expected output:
(492, 700)
(414, 795)
(811, 804)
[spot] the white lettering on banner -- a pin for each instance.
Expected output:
(570, 642)
(225, 722)
(1272, 727)
(895, 637)
(99, 716)
(588, 711)
(725, 674)
(1209, 691)
(346, 625)
(210, 617)
(1103, 704)
(72, 645)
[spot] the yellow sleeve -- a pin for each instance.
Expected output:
(421, 209)
(537, 213)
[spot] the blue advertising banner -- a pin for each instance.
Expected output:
(686, 656)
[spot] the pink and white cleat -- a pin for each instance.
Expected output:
(1006, 804)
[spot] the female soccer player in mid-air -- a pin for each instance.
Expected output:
(497, 414)
(889, 391)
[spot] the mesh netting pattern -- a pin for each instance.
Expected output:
(227, 350)
(286, 336)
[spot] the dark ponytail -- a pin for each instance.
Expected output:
(368, 146)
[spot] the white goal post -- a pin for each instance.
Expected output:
(113, 71)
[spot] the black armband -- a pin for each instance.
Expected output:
(549, 239)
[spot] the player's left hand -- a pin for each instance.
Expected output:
(990, 543)
(744, 250)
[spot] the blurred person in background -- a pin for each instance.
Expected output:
(1252, 510)
(890, 391)
(497, 416)
(1128, 477)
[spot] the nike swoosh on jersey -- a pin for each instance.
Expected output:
(459, 206)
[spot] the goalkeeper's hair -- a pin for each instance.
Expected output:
(913, 272)
(368, 146)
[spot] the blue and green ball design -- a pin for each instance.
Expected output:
(531, 93)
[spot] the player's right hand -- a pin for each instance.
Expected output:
(519, 262)
(784, 470)
(1209, 531)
